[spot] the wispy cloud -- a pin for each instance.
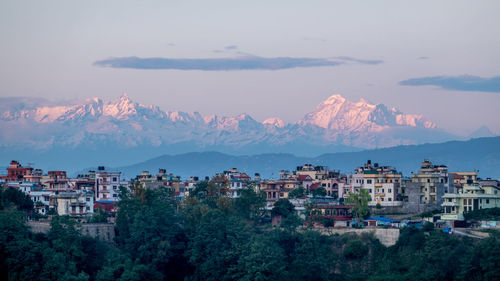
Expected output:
(362, 61)
(231, 47)
(458, 83)
(216, 64)
(423, 58)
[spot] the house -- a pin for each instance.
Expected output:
(383, 183)
(425, 190)
(107, 185)
(78, 204)
(470, 197)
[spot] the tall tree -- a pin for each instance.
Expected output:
(359, 202)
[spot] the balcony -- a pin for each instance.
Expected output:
(452, 217)
(450, 204)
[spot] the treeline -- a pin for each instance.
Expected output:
(212, 237)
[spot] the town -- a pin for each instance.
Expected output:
(320, 196)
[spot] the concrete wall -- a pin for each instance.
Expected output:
(386, 236)
(102, 231)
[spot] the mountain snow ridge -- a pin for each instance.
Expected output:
(335, 121)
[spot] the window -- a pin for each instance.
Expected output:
(369, 190)
(88, 199)
(114, 195)
(368, 181)
(487, 201)
(87, 208)
(390, 199)
(383, 191)
(390, 190)
(115, 179)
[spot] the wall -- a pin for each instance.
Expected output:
(102, 231)
(386, 236)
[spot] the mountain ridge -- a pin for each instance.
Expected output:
(334, 122)
(480, 154)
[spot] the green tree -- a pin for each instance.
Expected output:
(297, 192)
(250, 204)
(359, 202)
(15, 197)
(321, 191)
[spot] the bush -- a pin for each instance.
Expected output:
(355, 250)
(428, 226)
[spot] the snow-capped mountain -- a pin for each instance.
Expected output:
(334, 123)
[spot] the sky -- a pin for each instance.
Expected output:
(266, 58)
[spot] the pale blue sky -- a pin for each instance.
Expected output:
(49, 49)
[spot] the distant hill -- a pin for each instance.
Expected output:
(481, 154)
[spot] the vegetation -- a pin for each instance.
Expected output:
(484, 214)
(211, 237)
(359, 202)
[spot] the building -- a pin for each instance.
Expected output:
(237, 181)
(107, 185)
(57, 181)
(17, 173)
(471, 196)
(425, 190)
(383, 183)
(77, 204)
(277, 189)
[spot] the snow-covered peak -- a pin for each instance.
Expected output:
(122, 108)
(339, 114)
(274, 122)
(334, 99)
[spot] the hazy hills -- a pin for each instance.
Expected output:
(481, 154)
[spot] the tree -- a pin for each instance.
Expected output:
(321, 191)
(359, 202)
(297, 192)
(284, 208)
(22, 201)
(250, 204)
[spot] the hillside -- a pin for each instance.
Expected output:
(481, 154)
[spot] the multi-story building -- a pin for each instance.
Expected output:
(17, 173)
(237, 181)
(57, 181)
(471, 196)
(383, 183)
(424, 190)
(277, 189)
(107, 185)
(73, 203)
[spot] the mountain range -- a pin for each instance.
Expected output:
(335, 122)
(121, 132)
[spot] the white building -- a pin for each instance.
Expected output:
(107, 185)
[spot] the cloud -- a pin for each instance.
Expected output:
(231, 47)
(458, 83)
(216, 64)
(362, 61)
(423, 58)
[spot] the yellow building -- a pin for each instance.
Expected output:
(471, 196)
